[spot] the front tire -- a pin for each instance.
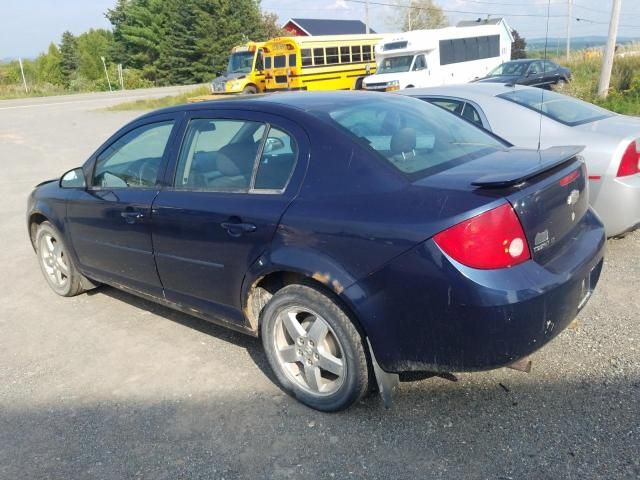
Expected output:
(57, 266)
(249, 90)
(314, 349)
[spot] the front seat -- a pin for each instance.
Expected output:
(403, 142)
(235, 164)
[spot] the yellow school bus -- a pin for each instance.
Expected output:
(332, 62)
(245, 71)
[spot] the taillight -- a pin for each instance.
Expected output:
(493, 239)
(630, 163)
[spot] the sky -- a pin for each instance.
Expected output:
(28, 26)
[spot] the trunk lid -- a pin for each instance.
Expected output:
(546, 188)
(618, 126)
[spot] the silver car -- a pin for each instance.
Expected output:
(531, 117)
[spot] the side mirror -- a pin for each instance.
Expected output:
(73, 179)
(273, 144)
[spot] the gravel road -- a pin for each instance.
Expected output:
(108, 386)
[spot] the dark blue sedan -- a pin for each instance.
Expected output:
(354, 233)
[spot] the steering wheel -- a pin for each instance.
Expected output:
(141, 174)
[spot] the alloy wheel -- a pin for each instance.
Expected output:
(309, 351)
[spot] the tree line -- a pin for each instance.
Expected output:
(170, 42)
(158, 42)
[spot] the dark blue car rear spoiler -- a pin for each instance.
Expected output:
(526, 165)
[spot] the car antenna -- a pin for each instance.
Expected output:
(546, 41)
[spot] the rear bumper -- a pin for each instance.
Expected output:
(618, 204)
(425, 312)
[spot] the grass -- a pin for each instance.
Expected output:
(8, 92)
(624, 91)
(162, 102)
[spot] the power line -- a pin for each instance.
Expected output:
(502, 14)
(386, 4)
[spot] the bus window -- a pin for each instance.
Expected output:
(279, 61)
(318, 56)
(332, 55)
(307, 60)
(292, 59)
(366, 53)
(267, 63)
(356, 56)
(345, 55)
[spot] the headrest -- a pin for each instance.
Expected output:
(404, 140)
(236, 159)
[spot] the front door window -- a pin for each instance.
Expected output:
(134, 159)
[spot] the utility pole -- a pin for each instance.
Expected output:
(366, 17)
(409, 13)
(569, 20)
(607, 59)
(24, 80)
(106, 73)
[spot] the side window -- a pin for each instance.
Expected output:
(367, 55)
(356, 54)
(420, 63)
(318, 56)
(453, 106)
(219, 155)
(134, 160)
(535, 68)
(345, 56)
(332, 55)
(471, 114)
(549, 66)
(307, 59)
(277, 161)
(292, 59)
(267, 63)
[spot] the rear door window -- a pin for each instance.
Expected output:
(219, 155)
(277, 161)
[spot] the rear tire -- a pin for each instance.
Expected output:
(249, 90)
(314, 349)
(560, 85)
(55, 262)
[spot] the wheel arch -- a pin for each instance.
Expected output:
(252, 85)
(35, 220)
(258, 288)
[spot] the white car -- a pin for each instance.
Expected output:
(531, 117)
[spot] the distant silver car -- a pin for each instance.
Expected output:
(612, 141)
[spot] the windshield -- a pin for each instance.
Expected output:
(417, 138)
(509, 68)
(395, 64)
(567, 110)
(240, 62)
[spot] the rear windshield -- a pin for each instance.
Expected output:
(567, 110)
(417, 138)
